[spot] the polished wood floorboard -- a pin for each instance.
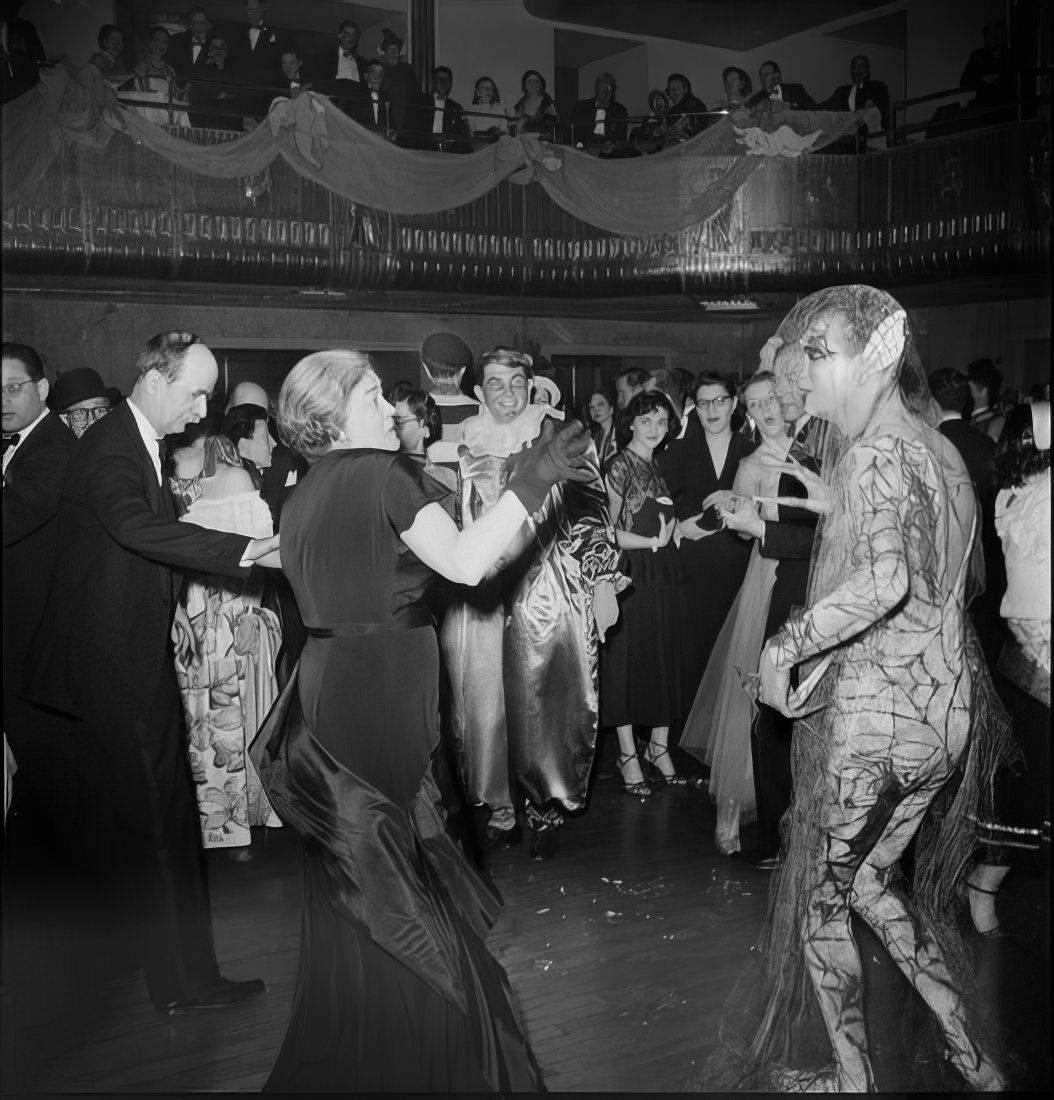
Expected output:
(620, 951)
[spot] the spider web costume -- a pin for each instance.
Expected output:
(902, 739)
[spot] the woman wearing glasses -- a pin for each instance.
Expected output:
(717, 729)
(418, 426)
(704, 460)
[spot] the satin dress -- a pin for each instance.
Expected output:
(396, 990)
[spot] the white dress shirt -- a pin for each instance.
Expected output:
(347, 68)
(23, 435)
(437, 118)
(150, 439)
(601, 116)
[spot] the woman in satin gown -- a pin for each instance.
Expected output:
(396, 989)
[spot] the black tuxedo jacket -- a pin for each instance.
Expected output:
(583, 121)
(418, 118)
(103, 645)
(873, 90)
(361, 110)
(180, 55)
(32, 487)
(261, 66)
(794, 96)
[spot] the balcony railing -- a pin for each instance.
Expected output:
(973, 203)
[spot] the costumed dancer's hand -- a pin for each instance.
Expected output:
(186, 644)
(605, 607)
(689, 528)
(820, 498)
(262, 552)
(556, 455)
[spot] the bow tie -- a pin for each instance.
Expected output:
(11, 441)
(346, 53)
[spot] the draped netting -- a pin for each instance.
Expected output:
(664, 193)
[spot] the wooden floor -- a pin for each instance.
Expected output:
(621, 952)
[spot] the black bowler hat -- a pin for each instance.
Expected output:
(72, 386)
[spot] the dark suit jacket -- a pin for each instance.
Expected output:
(103, 644)
(873, 90)
(260, 66)
(583, 120)
(794, 96)
(361, 110)
(418, 117)
(180, 55)
(32, 487)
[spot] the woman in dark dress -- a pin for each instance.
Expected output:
(396, 990)
(702, 461)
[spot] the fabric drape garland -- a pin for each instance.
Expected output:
(663, 193)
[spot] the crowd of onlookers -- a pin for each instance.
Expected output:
(226, 76)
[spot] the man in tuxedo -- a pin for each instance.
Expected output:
(349, 64)
(256, 53)
(436, 120)
(188, 53)
(37, 449)
(102, 658)
(773, 87)
(599, 120)
(293, 72)
(862, 92)
(374, 110)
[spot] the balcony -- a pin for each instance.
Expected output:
(971, 204)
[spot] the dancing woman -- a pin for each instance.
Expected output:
(396, 989)
(717, 729)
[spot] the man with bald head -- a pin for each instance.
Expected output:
(103, 659)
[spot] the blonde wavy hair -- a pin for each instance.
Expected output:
(314, 398)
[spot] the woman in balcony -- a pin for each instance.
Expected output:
(738, 89)
(226, 646)
(488, 117)
(685, 117)
(109, 59)
(704, 460)
(155, 79)
(717, 729)
(536, 112)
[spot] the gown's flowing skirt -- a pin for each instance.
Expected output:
(717, 729)
(396, 989)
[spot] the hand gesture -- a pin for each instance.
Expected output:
(665, 531)
(605, 607)
(718, 498)
(689, 529)
(820, 498)
(739, 514)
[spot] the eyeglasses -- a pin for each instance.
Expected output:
(717, 402)
(12, 389)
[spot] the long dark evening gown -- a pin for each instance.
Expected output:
(396, 989)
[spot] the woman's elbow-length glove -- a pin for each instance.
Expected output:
(557, 454)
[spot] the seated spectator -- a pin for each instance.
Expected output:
(738, 87)
(774, 88)
(686, 116)
(989, 73)
(489, 118)
(374, 110)
(218, 90)
(435, 121)
(652, 131)
(536, 112)
(400, 79)
(600, 120)
(986, 379)
(293, 72)
(862, 93)
(155, 79)
(110, 57)
(21, 54)
(79, 398)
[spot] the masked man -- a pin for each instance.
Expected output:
(896, 680)
(521, 649)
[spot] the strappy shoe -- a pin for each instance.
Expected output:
(659, 776)
(639, 789)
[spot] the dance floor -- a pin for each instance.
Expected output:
(621, 952)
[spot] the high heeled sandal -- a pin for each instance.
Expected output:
(639, 789)
(675, 780)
